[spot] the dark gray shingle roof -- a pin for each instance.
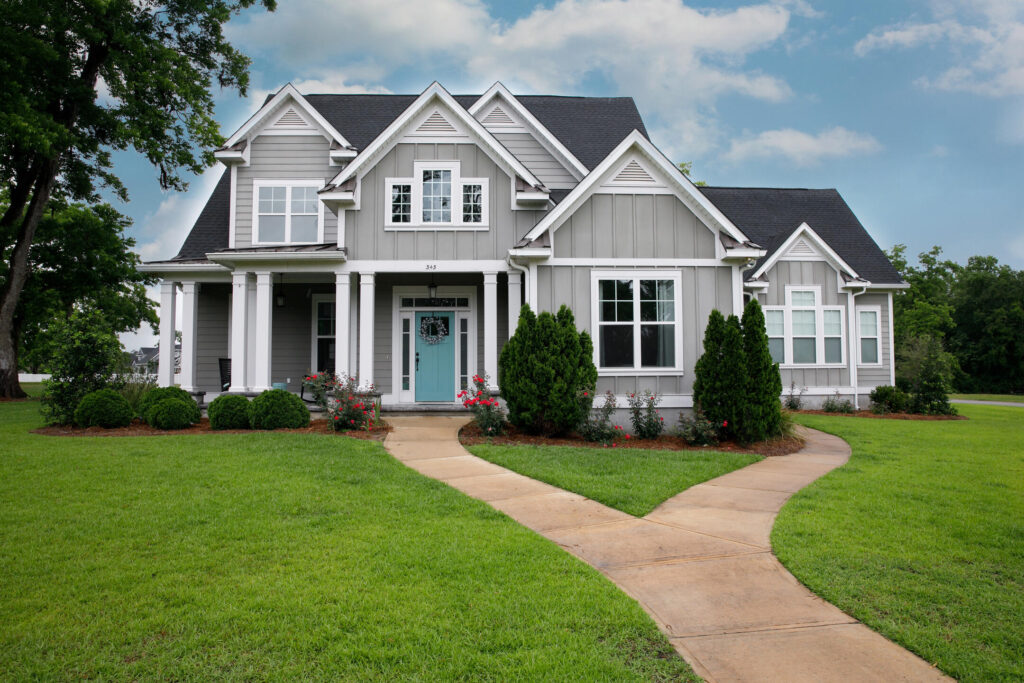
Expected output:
(770, 215)
(210, 232)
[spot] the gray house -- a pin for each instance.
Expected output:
(394, 238)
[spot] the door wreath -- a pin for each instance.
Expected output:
(433, 329)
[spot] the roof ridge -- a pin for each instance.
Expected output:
(761, 187)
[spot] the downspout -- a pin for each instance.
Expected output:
(526, 276)
(853, 347)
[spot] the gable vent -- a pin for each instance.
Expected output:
(436, 123)
(633, 173)
(498, 117)
(291, 119)
(801, 248)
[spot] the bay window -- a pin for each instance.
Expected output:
(287, 212)
(637, 321)
(436, 197)
(804, 332)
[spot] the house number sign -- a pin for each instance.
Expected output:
(433, 329)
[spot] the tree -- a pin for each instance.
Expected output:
(155, 62)
(762, 417)
(719, 385)
(925, 308)
(686, 167)
(80, 260)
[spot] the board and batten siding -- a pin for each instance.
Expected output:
(633, 226)
(703, 288)
(367, 238)
(212, 320)
(282, 157)
(539, 160)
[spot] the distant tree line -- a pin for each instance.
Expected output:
(975, 312)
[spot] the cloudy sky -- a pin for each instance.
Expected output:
(912, 109)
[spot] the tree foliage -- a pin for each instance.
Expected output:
(762, 416)
(719, 386)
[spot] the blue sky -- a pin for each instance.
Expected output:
(913, 110)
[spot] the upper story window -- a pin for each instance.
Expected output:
(804, 332)
(436, 197)
(287, 212)
(636, 317)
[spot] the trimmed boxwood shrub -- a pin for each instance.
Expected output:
(154, 396)
(229, 412)
(889, 399)
(277, 409)
(171, 413)
(103, 408)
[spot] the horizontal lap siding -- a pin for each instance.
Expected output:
(292, 345)
(876, 375)
(535, 157)
(282, 157)
(212, 322)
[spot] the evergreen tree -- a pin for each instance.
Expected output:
(762, 417)
(719, 387)
(734, 379)
(707, 374)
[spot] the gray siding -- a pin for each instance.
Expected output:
(539, 160)
(633, 226)
(703, 289)
(291, 349)
(876, 375)
(212, 320)
(282, 157)
(366, 237)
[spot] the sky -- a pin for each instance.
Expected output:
(913, 110)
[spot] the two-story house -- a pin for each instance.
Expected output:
(395, 237)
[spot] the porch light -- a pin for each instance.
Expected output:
(432, 291)
(279, 299)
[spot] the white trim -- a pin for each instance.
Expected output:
(514, 300)
(165, 368)
(342, 323)
(316, 300)
(491, 328)
(289, 185)
(819, 310)
(239, 331)
(367, 296)
(613, 262)
(288, 90)
(877, 310)
(892, 347)
(804, 230)
(189, 328)
(232, 203)
(425, 266)
(595, 320)
(415, 184)
(264, 332)
(737, 291)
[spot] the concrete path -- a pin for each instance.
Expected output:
(973, 402)
(700, 564)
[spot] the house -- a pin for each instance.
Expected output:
(395, 237)
(146, 359)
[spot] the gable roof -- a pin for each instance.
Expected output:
(769, 216)
(287, 92)
(210, 232)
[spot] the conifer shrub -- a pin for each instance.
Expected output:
(229, 411)
(547, 374)
(103, 408)
(719, 386)
(172, 413)
(762, 415)
(278, 409)
(931, 386)
(154, 396)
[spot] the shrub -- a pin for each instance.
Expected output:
(547, 374)
(719, 386)
(171, 413)
(931, 387)
(229, 411)
(103, 408)
(487, 411)
(697, 430)
(889, 399)
(643, 413)
(278, 409)
(154, 396)
(598, 425)
(133, 386)
(90, 354)
(837, 404)
(346, 405)
(762, 417)
(794, 400)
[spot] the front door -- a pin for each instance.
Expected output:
(435, 356)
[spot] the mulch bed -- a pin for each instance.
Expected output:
(886, 416)
(470, 435)
(140, 428)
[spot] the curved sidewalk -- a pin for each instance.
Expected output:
(700, 564)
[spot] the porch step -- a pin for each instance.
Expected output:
(441, 410)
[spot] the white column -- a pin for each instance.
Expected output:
(342, 315)
(491, 328)
(515, 300)
(264, 329)
(189, 299)
(165, 376)
(366, 328)
(239, 328)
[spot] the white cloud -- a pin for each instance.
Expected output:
(802, 148)
(160, 234)
(984, 39)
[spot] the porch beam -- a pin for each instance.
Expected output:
(264, 329)
(189, 310)
(515, 300)
(366, 302)
(239, 328)
(165, 374)
(342, 321)
(491, 328)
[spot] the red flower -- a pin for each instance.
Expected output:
(725, 423)
(627, 436)
(585, 393)
(336, 417)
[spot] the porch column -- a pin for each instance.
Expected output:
(366, 298)
(189, 309)
(239, 327)
(342, 321)
(491, 328)
(168, 291)
(264, 329)
(515, 300)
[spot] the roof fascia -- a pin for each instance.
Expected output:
(387, 138)
(286, 91)
(499, 90)
(683, 185)
(805, 230)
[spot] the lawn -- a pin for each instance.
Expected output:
(629, 479)
(285, 556)
(1012, 398)
(921, 536)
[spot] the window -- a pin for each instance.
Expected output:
(637, 319)
(436, 197)
(833, 335)
(775, 325)
(867, 321)
(406, 345)
(287, 213)
(804, 332)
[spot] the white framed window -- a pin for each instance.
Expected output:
(437, 197)
(287, 212)
(636, 321)
(869, 335)
(805, 333)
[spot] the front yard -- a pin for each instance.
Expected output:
(284, 556)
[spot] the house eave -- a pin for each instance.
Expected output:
(336, 256)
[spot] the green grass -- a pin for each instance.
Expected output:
(632, 480)
(272, 556)
(921, 536)
(1012, 398)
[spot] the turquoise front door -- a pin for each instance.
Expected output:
(435, 356)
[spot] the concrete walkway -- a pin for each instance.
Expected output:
(700, 564)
